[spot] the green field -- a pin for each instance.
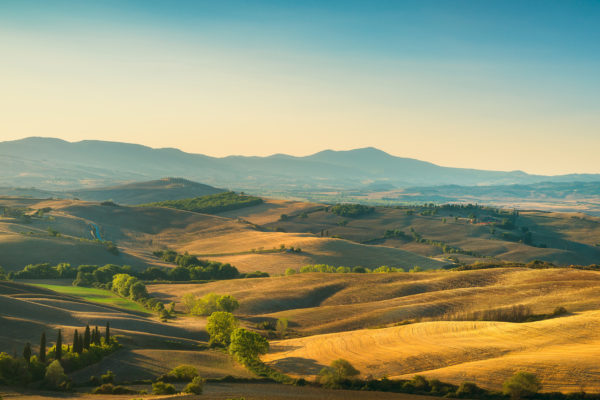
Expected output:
(95, 295)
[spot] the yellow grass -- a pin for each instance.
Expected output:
(563, 351)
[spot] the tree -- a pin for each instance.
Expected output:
(27, 352)
(138, 291)
(55, 374)
(97, 336)
(87, 337)
(43, 348)
(246, 345)
(220, 325)
(189, 301)
(227, 303)
(290, 271)
(338, 371)
(282, 327)
(107, 337)
(522, 384)
(76, 342)
(58, 351)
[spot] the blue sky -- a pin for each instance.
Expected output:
(483, 84)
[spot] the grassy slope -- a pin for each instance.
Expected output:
(95, 295)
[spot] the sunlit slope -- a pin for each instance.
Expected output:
(321, 303)
(137, 231)
(562, 238)
(558, 350)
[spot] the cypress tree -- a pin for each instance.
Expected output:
(27, 353)
(97, 336)
(58, 352)
(107, 338)
(76, 342)
(86, 337)
(43, 348)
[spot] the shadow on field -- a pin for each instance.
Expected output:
(298, 365)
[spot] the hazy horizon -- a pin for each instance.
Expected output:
(499, 85)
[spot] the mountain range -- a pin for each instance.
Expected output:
(55, 164)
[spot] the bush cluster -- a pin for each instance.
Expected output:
(351, 210)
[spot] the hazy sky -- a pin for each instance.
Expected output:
(482, 84)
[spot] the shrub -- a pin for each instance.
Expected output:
(521, 384)
(109, 377)
(163, 388)
(559, 311)
(181, 373)
(195, 386)
(290, 271)
(109, 388)
(469, 390)
(337, 372)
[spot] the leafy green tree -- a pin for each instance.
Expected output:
(227, 303)
(522, 384)
(138, 291)
(246, 345)
(189, 301)
(282, 327)
(55, 374)
(220, 325)
(43, 348)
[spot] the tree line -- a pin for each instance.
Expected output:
(49, 366)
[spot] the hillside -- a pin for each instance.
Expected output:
(89, 163)
(356, 317)
(145, 192)
(138, 231)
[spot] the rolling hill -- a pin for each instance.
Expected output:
(399, 325)
(53, 164)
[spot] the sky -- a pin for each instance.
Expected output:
(502, 85)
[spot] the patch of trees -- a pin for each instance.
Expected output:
(212, 203)
(351, 210)
(48, 367)
(209, 303)
(45, 271)
(190, 268)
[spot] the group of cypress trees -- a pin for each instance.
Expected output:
(80, 342)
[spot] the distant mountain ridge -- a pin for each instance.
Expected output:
(55, 164)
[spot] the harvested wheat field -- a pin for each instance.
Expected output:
(562, 350)
(323, 303)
